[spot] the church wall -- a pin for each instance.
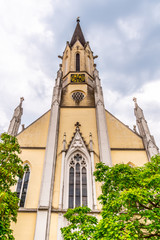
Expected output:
(68, 117)
(25, 226)
(35, 160)
(120, 136)
(84, 88)
(77, 48)
(35, 135)
(136, 158)
(53, 226)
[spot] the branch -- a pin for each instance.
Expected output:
(145, 206)
(155, 205)
(152, 235)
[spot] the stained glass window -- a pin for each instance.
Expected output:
(22, 186)
(71, 188)
(77, 181)
(84, 187)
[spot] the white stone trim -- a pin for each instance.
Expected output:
(89, 180)
(93, 182)
(62, 180)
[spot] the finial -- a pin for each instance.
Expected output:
(64, 142)
(135, 100)
(21, 99)
(23, 127)
(78, 19)
(91, 142)
(77, 125)
(134, 128)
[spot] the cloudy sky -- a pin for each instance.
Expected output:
(125, 34)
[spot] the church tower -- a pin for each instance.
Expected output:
(63, 146)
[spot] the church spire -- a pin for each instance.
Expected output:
(78, 35)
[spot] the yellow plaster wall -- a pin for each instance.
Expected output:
(35, 135)
(69, 55)
(68, 117)
(88, 100)
(138, 158)
(25, 226)
(53, 226)
(120, 136)
(35, 159)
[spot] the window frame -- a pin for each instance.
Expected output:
(78, 62)
(89, 178)
(22, 186)
(76, 181)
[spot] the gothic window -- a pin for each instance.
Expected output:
(77, 181)
(77, 62)
(66, 65)
(89, 64)
(22, 186)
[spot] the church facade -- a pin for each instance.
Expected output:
(63, 146)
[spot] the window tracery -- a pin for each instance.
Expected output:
(77, 181)
(77, 96)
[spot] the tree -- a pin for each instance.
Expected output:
(82, 225)
(130, 203)
(10, 169)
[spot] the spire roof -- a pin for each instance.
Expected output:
(78, 35)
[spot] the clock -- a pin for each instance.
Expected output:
(77, 78)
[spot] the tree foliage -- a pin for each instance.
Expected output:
(10, 169)
(82, 225)
(130, 202)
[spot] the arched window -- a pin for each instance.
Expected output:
(89, 64)
(66, 65)
(77, 62)
(22, 186)
(77, 182)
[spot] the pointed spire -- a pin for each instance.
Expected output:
(148, 139)
(78, 35)
(16, 119)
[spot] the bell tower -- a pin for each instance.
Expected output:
(78, 68)
(81, 85)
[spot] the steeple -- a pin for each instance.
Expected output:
(78, 35)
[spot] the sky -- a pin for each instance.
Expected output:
(125, 34)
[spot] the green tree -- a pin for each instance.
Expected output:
(82, 224)
(130, 204)
(10, 169)
(131, 201)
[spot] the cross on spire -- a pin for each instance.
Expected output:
(77, 125)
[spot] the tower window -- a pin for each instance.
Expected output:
(77, 97)
(22, 186)
(77, 62)
(77, 182)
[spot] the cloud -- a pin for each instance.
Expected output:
(125, 35)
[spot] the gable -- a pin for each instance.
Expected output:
(35, 135)
(121, 136)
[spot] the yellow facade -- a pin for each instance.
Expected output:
(125, 146)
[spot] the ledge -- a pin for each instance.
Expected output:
(127, 149)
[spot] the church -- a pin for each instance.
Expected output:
(62, 147)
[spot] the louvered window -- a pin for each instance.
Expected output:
(77, 62)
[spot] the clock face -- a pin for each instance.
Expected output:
(77, 78)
